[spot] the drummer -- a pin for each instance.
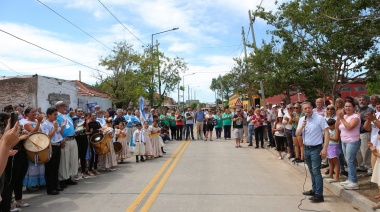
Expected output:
(109, 159)
(93, 127)
(68, 166)
(50, 128)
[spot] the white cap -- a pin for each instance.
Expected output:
(65, 102)
(261, 107)
(274, 106)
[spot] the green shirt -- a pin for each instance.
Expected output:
(220, 122)
(164, 120)
(227, 119)
(171, 120)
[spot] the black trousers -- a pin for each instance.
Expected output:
(82, 143)
(179, 132)
(227, 131)
(218, 132)
(14, 172)
(173, 132)
(51, 169)
(259, 132)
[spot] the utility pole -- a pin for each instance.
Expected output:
(178, 102)
(251, 21)
(188, 93)
(80, 76)
(253, 32)
(244, 43)
(158, 71)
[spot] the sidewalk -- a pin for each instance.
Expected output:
(354, 197)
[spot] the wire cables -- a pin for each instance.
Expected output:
(120, 22)
(73, 24)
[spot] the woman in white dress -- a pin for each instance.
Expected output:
(155, 139)
(121, 135)
(148, 144)
(109, 159)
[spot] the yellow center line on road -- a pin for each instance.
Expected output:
(162, 182)
(151, 183)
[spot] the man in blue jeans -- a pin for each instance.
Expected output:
(313, 127)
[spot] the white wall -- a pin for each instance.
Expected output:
(55, 87)
(104, 103)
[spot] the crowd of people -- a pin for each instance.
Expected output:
(339, 135)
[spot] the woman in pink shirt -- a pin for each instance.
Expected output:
(349, 126)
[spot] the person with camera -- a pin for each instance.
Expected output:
(15, 171)
(81, 138)
(209, 124)
(189, 115)
(238, 126)
(179, 124)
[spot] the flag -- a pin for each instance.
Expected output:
(91, 105)
(141, 107)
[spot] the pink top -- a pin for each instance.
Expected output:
(353, 135)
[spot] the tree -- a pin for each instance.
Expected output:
(166, 76)
(194, 105)
(321, 54)
(124, 84)
(224, 84)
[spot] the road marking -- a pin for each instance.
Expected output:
(162, 182)
(151, 183)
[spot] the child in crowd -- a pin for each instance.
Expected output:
(333, 151)
(139, 141)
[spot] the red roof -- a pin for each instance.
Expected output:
(88, 90)
(278, 98)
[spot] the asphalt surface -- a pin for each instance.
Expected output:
(192, 176)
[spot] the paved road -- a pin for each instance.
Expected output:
(192, 176)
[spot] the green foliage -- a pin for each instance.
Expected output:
(194, 105)
(134, 75)
(224, 84)
(315, 45)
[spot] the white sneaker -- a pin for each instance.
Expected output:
(279, 158)
(352, 186)
(345, 183)
(22, 204)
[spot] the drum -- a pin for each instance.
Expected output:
(38, 148)
(100, 144)
(118, 147)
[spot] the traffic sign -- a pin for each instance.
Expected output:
(238, 103)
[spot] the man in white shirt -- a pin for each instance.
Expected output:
(313, 129)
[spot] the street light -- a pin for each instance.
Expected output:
(151, 55)
(183, 84)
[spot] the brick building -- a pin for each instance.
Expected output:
(40, 91)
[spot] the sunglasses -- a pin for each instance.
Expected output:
(80, 110)
(295, 107)
(330, 109)
(290, 108)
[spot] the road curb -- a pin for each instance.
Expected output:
(356, 199)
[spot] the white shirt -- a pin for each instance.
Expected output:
(313, 132)
(138, 136)
(374, 132)
(286, 125)
(47, 127)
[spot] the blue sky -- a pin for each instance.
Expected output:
(209, 35)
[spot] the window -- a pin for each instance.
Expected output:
(360, 88)
(345, 88)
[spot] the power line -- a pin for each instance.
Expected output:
(120, 22)
(73, 24)
(10, 68)
(50, 67)
(52, 52)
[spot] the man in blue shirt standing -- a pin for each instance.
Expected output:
(199, 119)
(68, 166)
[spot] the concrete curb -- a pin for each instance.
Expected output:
(356, 199)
